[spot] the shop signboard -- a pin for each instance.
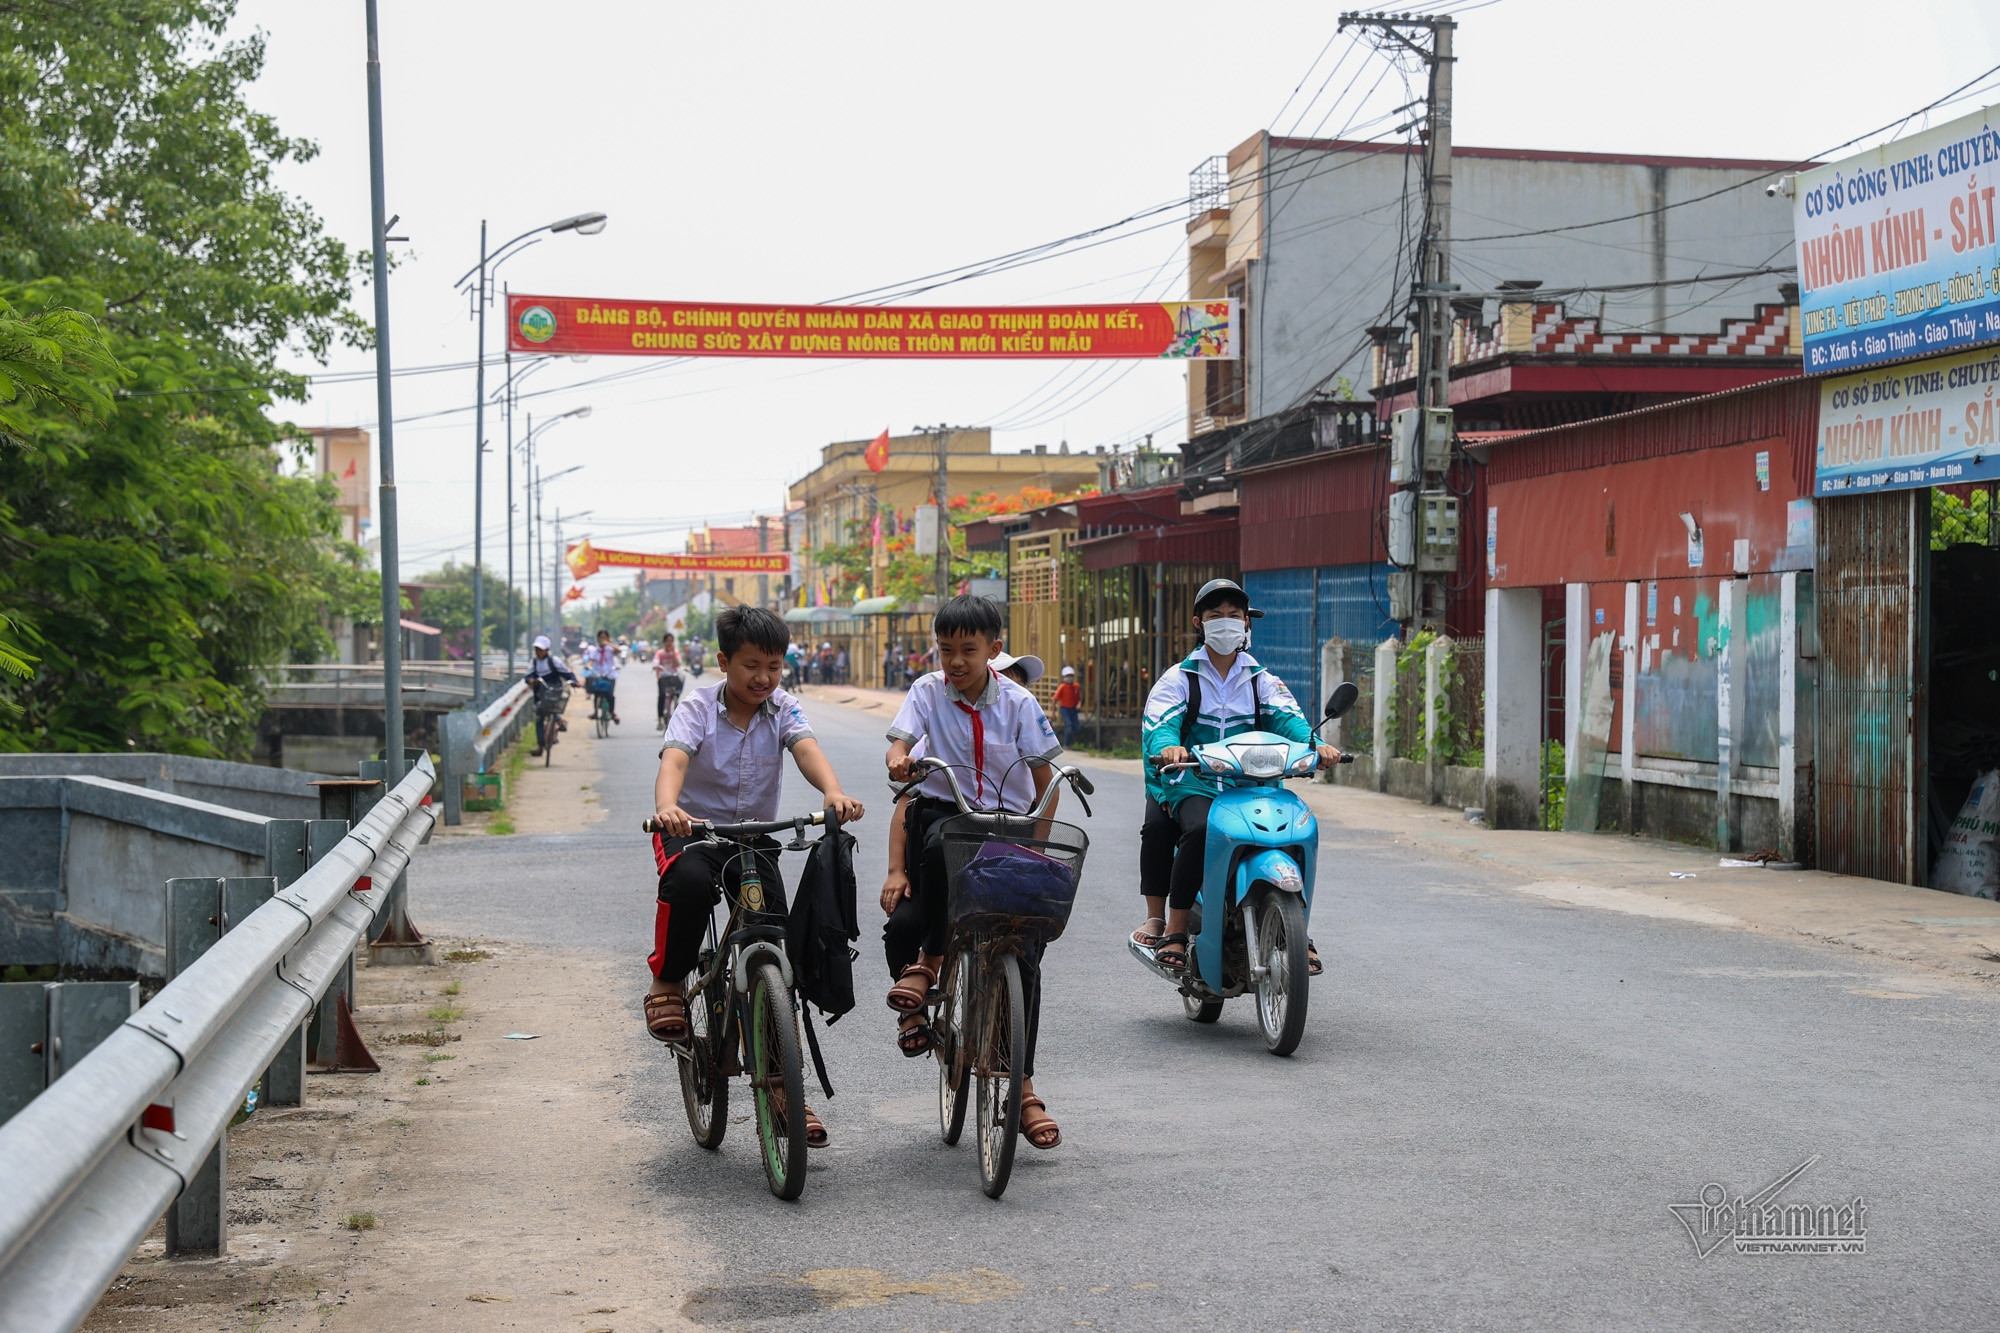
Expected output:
(1897, 248)
(584, 326)
(1934, 422)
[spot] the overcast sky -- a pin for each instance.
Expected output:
(789, 152)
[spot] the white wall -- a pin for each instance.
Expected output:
(1329, 250)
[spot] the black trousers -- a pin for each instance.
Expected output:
(921, 922)
(693, 876)
(1172, 846)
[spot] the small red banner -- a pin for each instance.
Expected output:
(582, 326)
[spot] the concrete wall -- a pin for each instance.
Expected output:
(1329, 237)
(253, 788)
(87, 859)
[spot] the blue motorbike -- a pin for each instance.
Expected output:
(1248, 928)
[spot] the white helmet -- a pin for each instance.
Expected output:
(542, 641)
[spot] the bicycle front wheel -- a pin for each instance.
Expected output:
(703, 1088)
(777, 1078)
(953, 1026)
(1003, 1042)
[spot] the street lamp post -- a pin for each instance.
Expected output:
(536, 517)
(392, 593)
(584, 224)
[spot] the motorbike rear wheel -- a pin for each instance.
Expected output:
(1283, 989)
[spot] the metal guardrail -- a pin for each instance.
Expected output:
(88, 1166)
(468, 743)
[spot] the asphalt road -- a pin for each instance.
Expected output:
(1496, 1101)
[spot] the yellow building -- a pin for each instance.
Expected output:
(843, 490)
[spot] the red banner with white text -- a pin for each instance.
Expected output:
(585, 560)
(582, 326)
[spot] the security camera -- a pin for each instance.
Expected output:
(1780, 186)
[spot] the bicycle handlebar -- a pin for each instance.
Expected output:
(652, 824)
(1084, 787)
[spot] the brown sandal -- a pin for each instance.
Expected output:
(666, 1017)
(910, 991)
(816, 1135)
(1041, 1125)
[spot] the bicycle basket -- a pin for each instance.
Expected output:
(552, 701)
(1017, 876)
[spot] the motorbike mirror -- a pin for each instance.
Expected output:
(1342, 699)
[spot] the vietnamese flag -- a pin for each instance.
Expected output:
(876, 455)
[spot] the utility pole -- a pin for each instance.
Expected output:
(479, 481)
(1433, 288)
(512, 632)
(944, 514)
(392, 592)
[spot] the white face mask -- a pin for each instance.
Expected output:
(1225, 636)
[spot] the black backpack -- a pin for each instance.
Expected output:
(818, 934)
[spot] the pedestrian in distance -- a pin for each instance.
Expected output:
(1069, 704)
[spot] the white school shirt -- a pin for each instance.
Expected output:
(1013, 724)
(734, 773)
(603, 661)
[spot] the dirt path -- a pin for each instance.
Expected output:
(493, 1195)
(559, 796)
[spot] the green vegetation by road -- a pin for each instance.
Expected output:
(153, 553)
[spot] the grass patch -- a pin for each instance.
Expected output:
(444, 1013)
(432, 1057)
(359, 1221)
(423, 1082)
(468, 954)
(453, 987)
(398, 1122)
(432, 1038)
(1122, 750)
(502, 824)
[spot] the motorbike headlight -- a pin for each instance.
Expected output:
(1259, 761)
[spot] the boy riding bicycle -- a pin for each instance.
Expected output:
(545, 676)
(723, 762)
(995, 734)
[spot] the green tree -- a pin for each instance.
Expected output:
(450, 607)
(154, 554)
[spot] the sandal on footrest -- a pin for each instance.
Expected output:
(1148, 939)
(1172, 952)
(666, 1017)
(913, 1036)
(908, 994)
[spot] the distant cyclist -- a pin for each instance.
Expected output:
(667, 675)
(601, 663)
(546, 673)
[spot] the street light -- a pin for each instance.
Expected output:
(535, 520)
(506, 393)
(584, 224)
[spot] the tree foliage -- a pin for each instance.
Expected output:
(450, 607)
(154, 553)
(907, 575)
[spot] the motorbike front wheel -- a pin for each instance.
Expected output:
(1282, 989)
(1201, 1010)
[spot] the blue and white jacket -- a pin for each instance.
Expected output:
(1228, 707)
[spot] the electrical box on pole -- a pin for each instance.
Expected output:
(1403, 529)
(1419, 443)
(1437, 532)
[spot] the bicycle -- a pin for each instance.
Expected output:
(669, 698)
(743, 1013)
(977, 1012)
(601, 690)
(550, 704)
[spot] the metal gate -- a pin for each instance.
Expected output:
(1871, 588)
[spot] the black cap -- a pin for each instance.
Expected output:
(1213, 591)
